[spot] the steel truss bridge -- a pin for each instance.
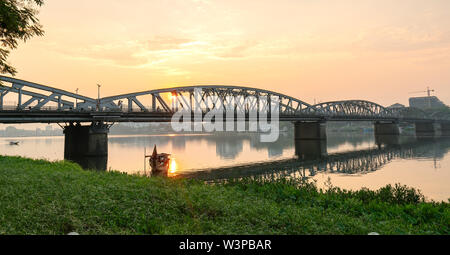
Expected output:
(27, 102)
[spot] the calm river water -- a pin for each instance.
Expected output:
(351, 161)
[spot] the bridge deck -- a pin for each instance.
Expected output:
(55, 116)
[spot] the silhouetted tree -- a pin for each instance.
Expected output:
(17, 22)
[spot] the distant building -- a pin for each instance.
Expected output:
(11, 131)
(396, 106)
(426, 102)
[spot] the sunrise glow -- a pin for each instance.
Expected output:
(173, 166)
(311, 50)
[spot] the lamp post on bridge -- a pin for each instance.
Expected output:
(76, 99)
(98, 97)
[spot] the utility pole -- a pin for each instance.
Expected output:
(429, 96)
(429, 91)
(98, 97)
(98, 85)
(76, 99)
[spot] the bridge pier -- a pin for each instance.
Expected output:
(310, 140)
(427, 129)
(310, 130)
(386, 129)
(87, 145)
(387, 134)
(310, 149)
(445, 129)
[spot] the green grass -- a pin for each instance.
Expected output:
(40, 197)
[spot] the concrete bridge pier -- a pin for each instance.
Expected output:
(386, 129)
(387, 133)
(445, 129)
(310, 140)
(427, 129)
(304, 130)
(87, 145)
(387, 140)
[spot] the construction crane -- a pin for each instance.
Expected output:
(428, 91)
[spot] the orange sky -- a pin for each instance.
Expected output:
(320, 50)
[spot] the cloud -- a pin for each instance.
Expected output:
(201, 1)
(239, 50)
(175, 53)
(125, 54)
(166, 43)
(406, 38)
(133, 53)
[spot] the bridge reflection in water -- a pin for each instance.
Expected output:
(312, 158)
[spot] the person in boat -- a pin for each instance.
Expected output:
(159, 162)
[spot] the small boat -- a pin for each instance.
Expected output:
(159, 162)
(13, 143)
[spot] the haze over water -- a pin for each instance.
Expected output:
(425, 166)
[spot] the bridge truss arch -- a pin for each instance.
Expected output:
(353, 109)
(36, 97)
(28, 96)
(207, 97)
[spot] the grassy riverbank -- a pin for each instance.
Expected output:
(40, 197)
